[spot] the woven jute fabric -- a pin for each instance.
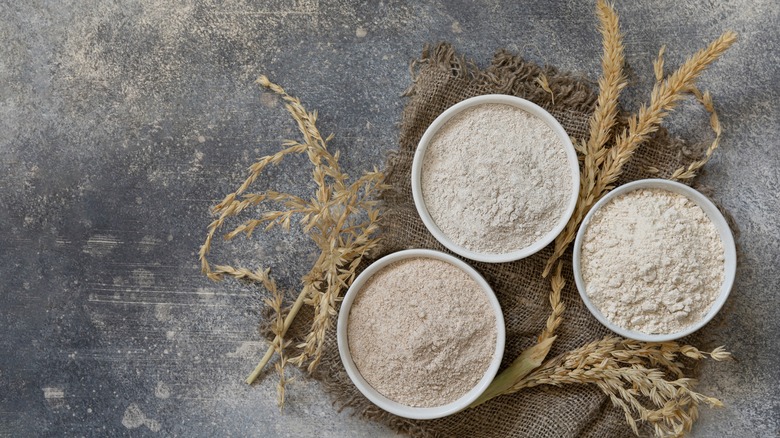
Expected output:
(442, 78)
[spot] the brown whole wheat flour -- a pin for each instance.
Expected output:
(422, 332)
(496, 178)
(652, 261)
(441, 79)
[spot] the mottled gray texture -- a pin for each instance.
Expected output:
(124, 121)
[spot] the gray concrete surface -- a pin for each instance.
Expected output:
(122, 122)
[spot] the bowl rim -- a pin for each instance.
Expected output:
(724, 231)
(417, 162)
(418, 413)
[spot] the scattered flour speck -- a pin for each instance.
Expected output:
(162, 390)
(133, 418)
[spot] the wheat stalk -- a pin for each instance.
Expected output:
(663, 99)
(611, 83)
(705, 99)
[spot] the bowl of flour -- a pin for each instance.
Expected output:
(495, 178)
(654, 260)
(421, 334)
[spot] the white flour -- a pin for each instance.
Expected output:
(495, 178)
(652, 261)
(422, 332)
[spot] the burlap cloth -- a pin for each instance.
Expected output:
(441, 78)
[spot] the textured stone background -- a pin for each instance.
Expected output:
(122, 122)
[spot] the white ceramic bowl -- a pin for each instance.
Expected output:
(393, 406)
(417, 165)
(730, 252)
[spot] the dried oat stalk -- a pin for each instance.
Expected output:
(593, 151)
(275, 302)
(646, 380)
(341, 218)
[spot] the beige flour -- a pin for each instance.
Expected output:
(422, 332)
(496, 178)
(652, 261)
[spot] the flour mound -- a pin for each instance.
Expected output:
(652, 261)
(422, 332)
(496, 178)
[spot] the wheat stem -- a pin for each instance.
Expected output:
(505, 382)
